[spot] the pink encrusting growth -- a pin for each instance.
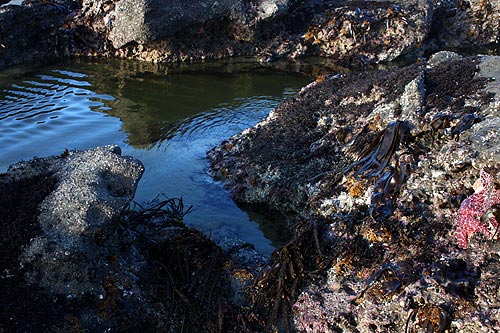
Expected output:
(469, 215)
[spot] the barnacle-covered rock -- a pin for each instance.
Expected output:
(382, 161)
(92, 188)
(371, 31)
(78, 257)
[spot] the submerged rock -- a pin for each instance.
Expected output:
(374, 167)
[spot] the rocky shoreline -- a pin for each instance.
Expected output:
(389, 179)
(350, 32)
(376, 166)
(78, 257)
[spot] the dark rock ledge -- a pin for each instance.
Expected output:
(349, 32)
(371, 169)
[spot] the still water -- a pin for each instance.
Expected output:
(166, 117)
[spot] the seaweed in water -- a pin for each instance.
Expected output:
(159, 213)
(187, 270)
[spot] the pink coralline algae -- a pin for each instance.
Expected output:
(472, 209)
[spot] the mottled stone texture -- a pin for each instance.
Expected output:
(92, 188)
(143, 21)
(350, 32)
(381, 163)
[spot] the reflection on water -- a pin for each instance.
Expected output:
(166, 117)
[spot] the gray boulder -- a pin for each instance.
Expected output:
(92, 188)
(143, 21)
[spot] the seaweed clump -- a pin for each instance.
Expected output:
(375, 162)
(188, 273)
(291, 267)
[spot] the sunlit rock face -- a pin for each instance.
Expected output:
(143, 21)
(380, 163)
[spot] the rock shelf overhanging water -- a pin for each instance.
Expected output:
(359, 32)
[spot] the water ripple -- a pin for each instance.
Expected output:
(169, 122)
(43, 114)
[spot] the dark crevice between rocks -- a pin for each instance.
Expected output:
(293, 265)
(274, 225)
(19, 210)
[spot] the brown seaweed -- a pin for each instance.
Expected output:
(387, 285)
(465, 123)
(159, 213)
(378, 155)
(390, 182)
(290, 268)
(375, 162)
(429, 317)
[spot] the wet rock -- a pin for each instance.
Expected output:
(64, 260)
(78, 257)
(93, 187)
(269, 8)
(142, 22)
(377, 165)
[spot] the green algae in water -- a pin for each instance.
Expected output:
(168, 117)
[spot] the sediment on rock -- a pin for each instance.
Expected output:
(374, 167)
